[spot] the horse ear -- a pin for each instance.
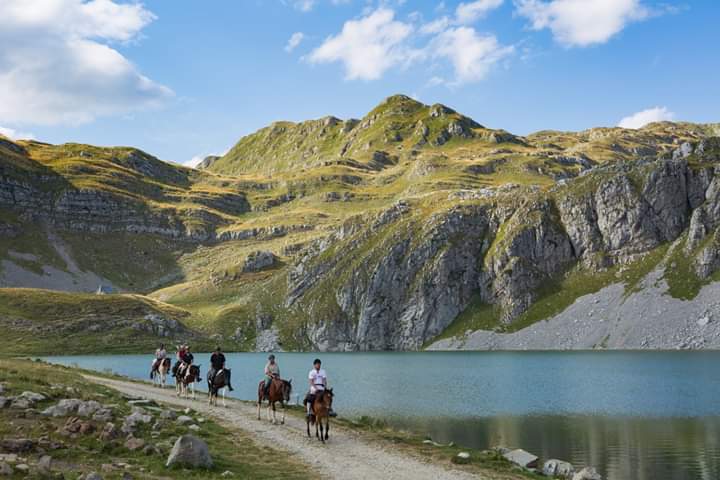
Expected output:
(290, 381)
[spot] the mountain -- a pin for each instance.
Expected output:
(414, 226)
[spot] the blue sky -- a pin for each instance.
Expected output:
(187, 78)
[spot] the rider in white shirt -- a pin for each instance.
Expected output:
(317, 378)
(160, 355)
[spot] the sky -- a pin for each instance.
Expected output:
(183, 79)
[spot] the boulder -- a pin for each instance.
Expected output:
(587, 473)
(93, 476)
(183, 419)
(109, 432)
(558, 468)
(45, 463)
(522, 458)
(131, 422)
(16, 445)
(5, 469)
(27, 400)
(190, 451)
(133, 443)
(86, 409)
(194, 428)
(5, 401)
(461, 458)
(23, 468)
(259, 260)
(168, 415)
(63, 408)
(103, 415)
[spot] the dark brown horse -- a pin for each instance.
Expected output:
(189, 377)
(279, 391)
(217, 383)
(321, 412)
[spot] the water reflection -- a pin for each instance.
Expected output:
(620, 448)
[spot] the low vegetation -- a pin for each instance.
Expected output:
(76, 453)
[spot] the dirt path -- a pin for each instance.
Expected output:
(345, 456)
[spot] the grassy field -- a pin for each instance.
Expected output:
(231, 450)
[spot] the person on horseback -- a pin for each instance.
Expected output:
(317, 378)
(160, 355)
(272, 370)
(217, 362)
(178, 359)
(186, 359)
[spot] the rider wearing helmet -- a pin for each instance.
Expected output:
(272, 370)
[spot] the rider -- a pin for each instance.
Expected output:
(178, 359)
(217, 362)
(272, 370)
(317, 378)
(160, 355)
(186, 359)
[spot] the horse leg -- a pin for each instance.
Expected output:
(322, 435)
(259, 403)
(274, 414)
(327, 427)
(307, 422)
(192, 387)
(223, 398)
(282, 422)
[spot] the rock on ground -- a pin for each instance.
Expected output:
(587, 473)
(558, 468)
(190, 451)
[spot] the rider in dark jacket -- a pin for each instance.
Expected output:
(217, 362)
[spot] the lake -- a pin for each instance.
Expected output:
(632, 415)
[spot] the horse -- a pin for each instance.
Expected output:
(159, 375)
(216, 384)
(321, 411)
(191, 375)
(279, 391)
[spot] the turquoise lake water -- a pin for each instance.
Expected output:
(632, 415)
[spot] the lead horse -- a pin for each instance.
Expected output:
(159, 375)
(279, 391)
(321, 407)
(187, 381)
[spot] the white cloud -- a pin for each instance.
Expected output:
(369, 46)
(304, 5)
(294, 41)
(435, 26)
(57, 65)
(13, 134)
(640, 119)
(467, 13)
(472, 55)
(579, 23)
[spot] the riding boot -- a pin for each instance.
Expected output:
(332, 413)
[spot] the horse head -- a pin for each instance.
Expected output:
(287, 389)
(328, 397)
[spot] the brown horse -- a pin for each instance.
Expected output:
(191, 375)
(321, 411)
(279, 391)
(159, 374)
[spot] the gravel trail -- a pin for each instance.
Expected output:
(345, 456)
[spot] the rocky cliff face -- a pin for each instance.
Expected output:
(411, 224)
(401, 282)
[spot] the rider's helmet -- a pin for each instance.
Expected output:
(317, 362)
(271, 357)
